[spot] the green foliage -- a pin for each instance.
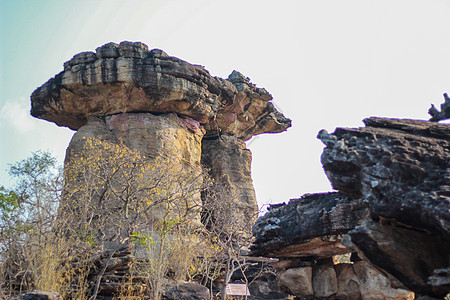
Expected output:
(38, 188)
(38, 164)
(142, 239)
(33, 254)
(9, 202)
(342, 259)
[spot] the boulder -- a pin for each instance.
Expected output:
(324, 281)
(343, 281)
(296, 281)
(187, 291)
(41, 295)
(348, 282)
(373, 284)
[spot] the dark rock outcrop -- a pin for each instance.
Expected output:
(409, 255)
(444, 113)
(395, 175)
(309, 226)
(41, 295)
(400, 167)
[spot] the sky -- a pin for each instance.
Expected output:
(327, 64)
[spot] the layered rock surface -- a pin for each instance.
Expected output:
(229, 164)
(130, 78)
(309, 226)
(400, 167)
(399, 172)
(164, 135)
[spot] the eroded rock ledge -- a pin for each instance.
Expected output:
(130, 78)
(393, 182)
(400, 167)
(309, 226)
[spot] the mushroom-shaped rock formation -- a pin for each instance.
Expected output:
(163, 107)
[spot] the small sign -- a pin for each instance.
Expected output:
(237, 289)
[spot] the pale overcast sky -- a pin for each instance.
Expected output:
(327, 63)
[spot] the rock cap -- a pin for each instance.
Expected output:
(128, 77)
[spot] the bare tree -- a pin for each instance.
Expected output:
(114, 195)
(115, 198)
(228, 232)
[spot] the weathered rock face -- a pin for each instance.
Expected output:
(127, 78)
(229, 165)
(395, 175)
(147, 107)
(153, 135)
(249, 114)
(402, 170)
(409, 255)
(130, 78)
(161, 139)
(308, 226)
(400, 167)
